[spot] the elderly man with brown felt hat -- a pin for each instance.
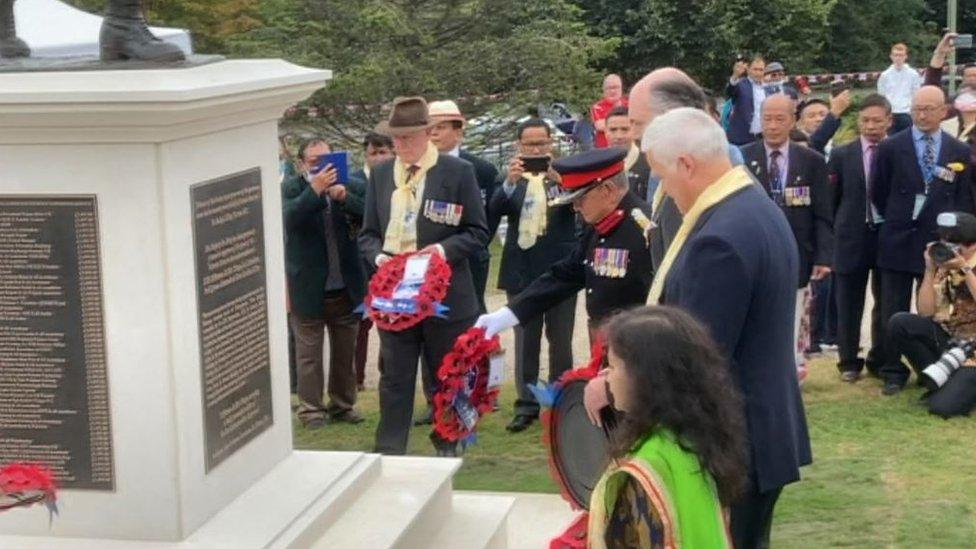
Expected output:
(421, 200)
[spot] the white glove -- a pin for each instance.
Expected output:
(497, 322)
(381, 258)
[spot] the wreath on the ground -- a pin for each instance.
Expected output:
(464, 395)
(395, 315)
(24, 484)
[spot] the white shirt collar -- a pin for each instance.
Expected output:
(455, 152)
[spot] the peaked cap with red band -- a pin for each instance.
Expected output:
(582, 171)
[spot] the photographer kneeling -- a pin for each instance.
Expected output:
(939, 340)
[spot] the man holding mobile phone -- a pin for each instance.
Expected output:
(538, 236)
(937, 66)
(325, 285)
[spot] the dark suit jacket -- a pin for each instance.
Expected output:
(735, 274)
(668, 219)
(741, 117)
(306, 260)
(487, 175)
(639, 175)
(896, 180)
(520, 267)
(812, 225)
(451, 180)
(356, 195)
(855, 242)
(605, 294)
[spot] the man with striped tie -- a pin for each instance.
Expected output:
(919, 173)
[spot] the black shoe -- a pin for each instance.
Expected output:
(519, 423)
(427, 418)
(892, 388)
(314, 423)
(850, 376)
(349, 416)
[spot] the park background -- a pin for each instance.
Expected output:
(885, 474)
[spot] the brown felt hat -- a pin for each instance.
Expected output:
(408, 115)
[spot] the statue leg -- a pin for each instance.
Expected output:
(126, 36)
(10, 45)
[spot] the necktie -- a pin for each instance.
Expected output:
(412, 171)
(868, 159)
(775, 177)
(928, 161)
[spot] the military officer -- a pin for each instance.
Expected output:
(611, 261)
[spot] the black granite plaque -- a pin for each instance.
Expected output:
(54, 406)
(228, 241)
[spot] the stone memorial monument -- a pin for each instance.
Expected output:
(142, 318)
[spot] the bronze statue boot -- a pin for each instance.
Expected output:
(125, 36)
(10, 45)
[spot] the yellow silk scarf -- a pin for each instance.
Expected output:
(733, 180)
(401, 232)
(532, 220)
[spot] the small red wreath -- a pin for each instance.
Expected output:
(469, 359)
(432, 292)
(24, 484)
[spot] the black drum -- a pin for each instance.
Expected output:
(577, 447)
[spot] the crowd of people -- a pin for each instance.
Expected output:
(751, 235)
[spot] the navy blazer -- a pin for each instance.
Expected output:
(306, 260)
(736, 274)
(855, 240)
(895, 182)
(742, 110)
(451, 180)
(519, 267)
(487, 176)
(812, 225)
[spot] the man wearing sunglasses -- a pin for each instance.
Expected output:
(611, 261)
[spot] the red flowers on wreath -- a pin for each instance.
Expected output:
(464, 386)
(427, 303)
(24, 484)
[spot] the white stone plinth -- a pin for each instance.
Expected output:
(138, 140)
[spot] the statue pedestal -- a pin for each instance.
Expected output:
(121, 184)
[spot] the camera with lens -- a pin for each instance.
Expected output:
(943, 251)
(937, 373)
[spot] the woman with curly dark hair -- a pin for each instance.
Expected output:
(678, 453)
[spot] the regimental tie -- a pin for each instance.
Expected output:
(775, 177)
(928, 161)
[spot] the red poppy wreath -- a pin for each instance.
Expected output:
(24, 484)
(408, 289)
(466, 392)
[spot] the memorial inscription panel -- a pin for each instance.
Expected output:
(235, 360)
(54, 405)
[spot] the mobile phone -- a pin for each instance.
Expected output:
(340, 161)
(535, 164)
(963, 41)
(837, 87)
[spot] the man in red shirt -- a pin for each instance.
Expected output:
(613, 96)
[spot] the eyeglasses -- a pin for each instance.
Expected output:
(589, 189)
(535, 145)
(928, 109)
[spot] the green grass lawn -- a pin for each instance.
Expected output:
(885, 473)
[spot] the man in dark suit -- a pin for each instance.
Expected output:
(423, 200)
(795, 177)
(447, 135)
(376, 150)
(735, 271)
(325, 285)
(747, 95)
(856, 238)
(919, 173)
(611, 260)
(620, 134)
(539, 235)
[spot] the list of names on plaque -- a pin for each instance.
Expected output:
(228, 239)
(54, 406)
